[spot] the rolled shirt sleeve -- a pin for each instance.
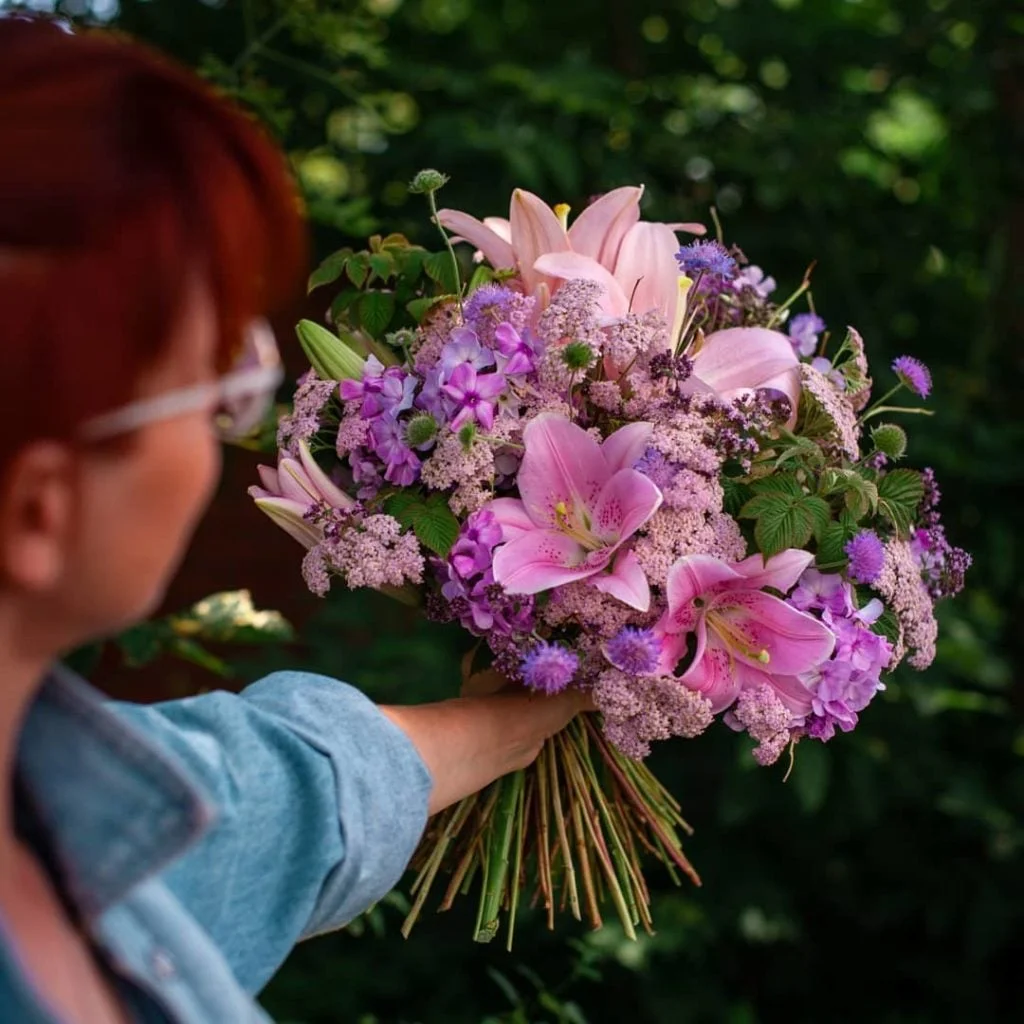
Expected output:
(320, 803)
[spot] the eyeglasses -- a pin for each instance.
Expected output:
(241, 397)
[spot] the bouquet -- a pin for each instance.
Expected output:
(622, 465)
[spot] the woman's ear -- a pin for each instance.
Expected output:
(37, 497)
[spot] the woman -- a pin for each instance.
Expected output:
(158, 863)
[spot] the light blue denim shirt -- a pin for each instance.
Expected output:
(202, 838)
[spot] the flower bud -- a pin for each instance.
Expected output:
(890, 439)
(329, 356)
(421, 430)
(578, 355)
(427, 180)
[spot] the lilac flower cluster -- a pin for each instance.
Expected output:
(845, 684)
(943, 566)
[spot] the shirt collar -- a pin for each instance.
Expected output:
(116, 808)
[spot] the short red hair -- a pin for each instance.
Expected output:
(122, 175)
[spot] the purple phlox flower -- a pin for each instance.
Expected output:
(474, 396)
(373, 370)
(867, 556)
(402, 464)
(471, 552)
(816, 591)
(549, 667)
(754, 278)
(824, 366)
(518, 350)
(366, 473)
(395, 395)
(634, 651)
(708, 259)
(464, 348)
(913, 375)
(431, 398)
(804, 331)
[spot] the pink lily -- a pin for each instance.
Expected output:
(580, 501)
(632, 260)
(744, 636)
(292, 489)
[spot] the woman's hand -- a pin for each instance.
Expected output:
(470, 741)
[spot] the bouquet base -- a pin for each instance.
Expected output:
(567, 834)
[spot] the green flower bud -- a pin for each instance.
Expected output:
(421, 429)
(329, 356)
(467, 435)
(578, 355)
(402, 338)
(427, 180)
(890, 439)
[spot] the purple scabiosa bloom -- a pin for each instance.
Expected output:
(867, 556)
(709, 259)
(634, 651)
(913, 375)
(475, 397)
(549, 668)
(804, 331)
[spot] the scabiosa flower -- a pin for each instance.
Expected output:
(634, 651)
(913, 375)
(804, 332)
(867, 556)
(549, 668)
(706, 258)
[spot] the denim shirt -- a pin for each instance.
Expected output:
(200, 839)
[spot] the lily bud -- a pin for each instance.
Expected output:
(329, 356)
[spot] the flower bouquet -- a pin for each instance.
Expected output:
(621, 465)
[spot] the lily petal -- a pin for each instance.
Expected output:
(294, 482)
(563, 463)
(711, 673)
(512, 517)
(626, 581)
(646, 269)
(622, 449)
(289, 516)
(598, 231)
(792, 693)
(626, 502)
(743, 358)
(535, 231)
(329, 491)
(780, 572)
(689, 578)
(268, 477)
(571, 266)
(539, 560)
(500, 226)
(497, 250)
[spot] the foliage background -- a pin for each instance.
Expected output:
(885, 880)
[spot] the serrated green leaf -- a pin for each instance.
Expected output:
(831, 546)
(901, 516)
(903, 486)
(784, 525)
(438, 267)
(778, 483)
(819, 511)
(329, 270)
(375, 311)
(410, 261)
(419, 308)
(861, 496)
(887, 625)
(382, 266)
(358, 268)
(403, 505)
(736, 494)
(436, 527)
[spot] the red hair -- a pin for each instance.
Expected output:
(122, 177)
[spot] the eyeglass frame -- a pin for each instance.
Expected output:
(263, 378)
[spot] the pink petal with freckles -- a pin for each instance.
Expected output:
(626, 502)
(780, 572)
(512, 517)
(535, 231)
(540, 560)
(622, 449)
(792, 693)
(647, 271)
(562, 463)
(673, 647)
(711, 673)
(695, 576)
(571, 266)
(598, 231)
(626, 581)
(739, 359)
(795, 641)
(496, 249)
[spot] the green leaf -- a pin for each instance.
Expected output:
(382, 264)
(861, 496)
(777, 483)
(819, 511)
(904, 486)
(142, 644)
(358, 268)
(783, 521)
(888, 626)
(831, 546)
(438, 267)
(403, 506)
(375, 311)
(419, 308)
(436, 527)
(482, 275)
(330, 270)
(737, 494)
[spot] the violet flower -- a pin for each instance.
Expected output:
(475, 397)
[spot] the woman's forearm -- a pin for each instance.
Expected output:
(469, 742)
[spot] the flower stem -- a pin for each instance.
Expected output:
(432, 202)
(510, 790)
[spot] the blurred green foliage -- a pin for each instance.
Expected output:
(885, 880)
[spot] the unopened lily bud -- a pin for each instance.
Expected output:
(329, 356)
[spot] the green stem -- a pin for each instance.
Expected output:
(912, 410)
(523, 811)
(500, 842)
(563, 836)
(432, 202)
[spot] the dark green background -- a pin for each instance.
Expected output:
(885, 880)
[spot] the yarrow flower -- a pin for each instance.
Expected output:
(549, 668)
(867, 556)
(913, 375)
(707, 258)
(634, 651)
